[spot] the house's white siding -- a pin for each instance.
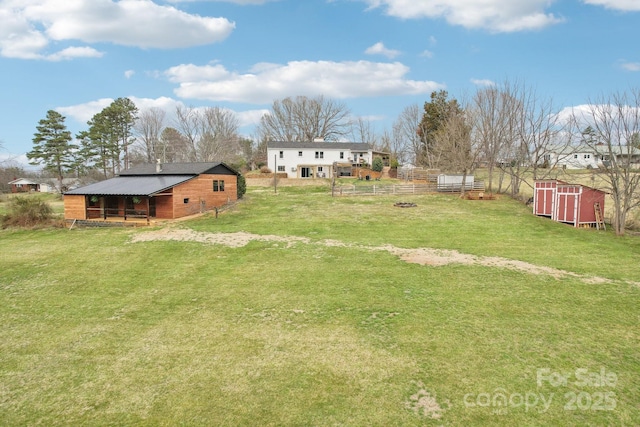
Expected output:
(314, 162)
(580, 159)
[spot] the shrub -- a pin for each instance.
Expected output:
(265, 169)
(377, 165)
(242, 186)
(27, 212)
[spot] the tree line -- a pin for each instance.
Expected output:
(509, 129)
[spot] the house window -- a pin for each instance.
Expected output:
(341, 155)
(320, 169)
(299, 153)
(281, 169)
(186, 200)
(575, 156)
(282, 154)
(319, 154)
(587, 156)
(218, 185)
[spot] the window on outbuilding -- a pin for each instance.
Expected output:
(281, 169)
(299, 153)
(282, 154)
(218, 185)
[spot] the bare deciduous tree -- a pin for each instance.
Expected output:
(149, 127)
(218, 135)
(175, 147)
(615, 121)
(454, 147)
(491, 118)
(406, 134)
(362, 130)
(187, 123)
(211, 134)
(303, 119)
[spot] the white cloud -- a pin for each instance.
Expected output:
(240, 2)
(82, 113)
(483, 82)
(624, 5)
(380, 49)
(493, 15)
(28, 26)
(265, 83)
(75, 52)
(427, 54)
(191, 73)
(630, 66)
(129, 73)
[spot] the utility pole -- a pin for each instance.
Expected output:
(275, 173)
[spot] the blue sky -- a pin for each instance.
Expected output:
(376, 56)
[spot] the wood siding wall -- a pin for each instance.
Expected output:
(200, 194)
(164, 206)
(75, 207)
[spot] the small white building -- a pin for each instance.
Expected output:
(320, 159)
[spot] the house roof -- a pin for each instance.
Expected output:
(354, 146)
(593, 149)
(195, 168)
(131, 185)
(146, 180)
(22, 181)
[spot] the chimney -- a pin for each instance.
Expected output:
(158, 166)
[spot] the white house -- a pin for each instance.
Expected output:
(590, 157)
(572, 157)
(320, 159)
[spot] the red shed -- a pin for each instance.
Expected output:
(573, 204)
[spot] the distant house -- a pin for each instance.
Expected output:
(320, 159)
(572, 157)
(589, 157)
(162, 191)
(23, 185)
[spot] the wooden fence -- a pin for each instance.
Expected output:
(361, 190)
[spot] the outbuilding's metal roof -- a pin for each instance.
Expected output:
(131, 185)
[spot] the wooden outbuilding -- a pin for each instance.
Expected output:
(575, 204)
(167, 191)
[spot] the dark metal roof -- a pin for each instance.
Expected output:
(131, 186)
(356, 146)
(195, 168)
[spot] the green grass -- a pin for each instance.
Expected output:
(97, 330)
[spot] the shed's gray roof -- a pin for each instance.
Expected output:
(131, 186)
(195, 168)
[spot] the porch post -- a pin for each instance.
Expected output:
(148, 209)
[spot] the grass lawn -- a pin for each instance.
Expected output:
(322, 323)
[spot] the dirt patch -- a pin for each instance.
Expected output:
(233, 240)
(424, 403)
(422, 256)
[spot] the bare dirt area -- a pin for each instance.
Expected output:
(423, 256)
